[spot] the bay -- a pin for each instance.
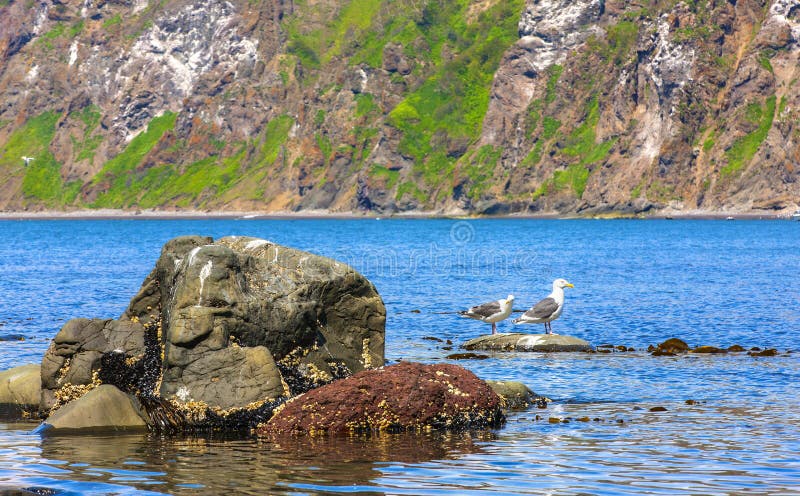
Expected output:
(637, 283)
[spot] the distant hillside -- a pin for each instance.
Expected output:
(567, 106)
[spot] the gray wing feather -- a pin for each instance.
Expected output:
(485, 310)
(543, 309)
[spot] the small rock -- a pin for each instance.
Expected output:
(583, 419)
(103, 408)
(516, 395)
(670, 347)
(690, 402)
(554, 420)
(709, 350)
(466, 356)
(658, 409)
(416, 311)
(432, 338)
(735, 348)
(771, 352)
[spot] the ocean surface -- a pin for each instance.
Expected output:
(637, 283)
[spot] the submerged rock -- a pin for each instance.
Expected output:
(402, 397)
(20, 390)
(709, 350)
(515, 341)
(516, 395)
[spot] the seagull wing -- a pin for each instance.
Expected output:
(543, 309)
(482, 311)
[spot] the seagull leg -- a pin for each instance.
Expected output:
(494, 328)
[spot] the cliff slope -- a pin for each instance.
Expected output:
(567, 106)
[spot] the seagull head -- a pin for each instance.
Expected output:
(562, 283)
(510, 299)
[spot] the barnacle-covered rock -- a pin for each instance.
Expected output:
(402, 397)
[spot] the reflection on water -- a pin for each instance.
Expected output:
(135, 463)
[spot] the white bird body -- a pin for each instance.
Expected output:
(548, 309)
(492, 312)
(27, 160)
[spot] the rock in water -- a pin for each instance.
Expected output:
(515, 341)
(103, 408)
(515, 395)
(401, 397)
(20, 390)
(670, 347)
(225, 324)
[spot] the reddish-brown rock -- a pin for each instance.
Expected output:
(405, 396)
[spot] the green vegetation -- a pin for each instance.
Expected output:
(573, 177)
(319, 119)
(275, 136)
(744, 149)
(119, 170)
(621, 39)
(582, 142)
(42, 176)
(390, 176)
(554, 72)
(410, 188)
(450, 105)
(765, 63)
(365, 104)
(550, 127)
(85, 148)
(480, 169)
(325, 147)
(112, 21)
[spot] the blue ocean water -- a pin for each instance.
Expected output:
(636, 283)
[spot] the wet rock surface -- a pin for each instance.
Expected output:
(527, 342)
(20, 390)
(103, 408)
(402, 397)
(220, 333)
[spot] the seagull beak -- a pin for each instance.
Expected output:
(569, 285)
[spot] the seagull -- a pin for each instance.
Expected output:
(27, 160)
(548, 309)
(492, 312)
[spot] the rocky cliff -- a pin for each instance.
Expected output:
(580, 106)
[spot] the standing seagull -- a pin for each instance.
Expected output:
(492, 312)
(27, 160)
(548, 309)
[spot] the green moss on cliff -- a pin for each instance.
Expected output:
(448, 108)
(41, 178)
(117, 173)
(744, 149)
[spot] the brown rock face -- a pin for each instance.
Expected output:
(405, 396)
(577, 106)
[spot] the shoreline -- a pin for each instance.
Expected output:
(151, 214)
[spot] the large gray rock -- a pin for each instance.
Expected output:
(103, 408)
(227, 324)
(514, 341)
(20, 390)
